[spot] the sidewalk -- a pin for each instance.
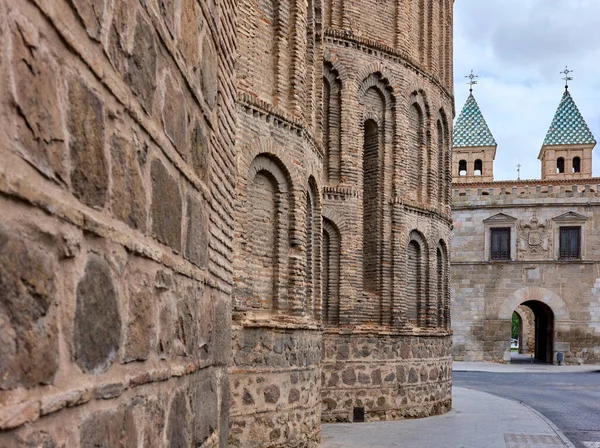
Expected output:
(520, 368)
(477, 420)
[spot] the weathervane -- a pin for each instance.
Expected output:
(472, 81)
(567, 78)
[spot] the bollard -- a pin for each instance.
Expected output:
(560, 358)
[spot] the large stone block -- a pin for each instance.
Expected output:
(28, 332)
(97, 324)
(196, 247)
(128, 198)
(39, 118)
(141, 64)
(209, 71)
(178, 429)
(200, 152)
(140, 328)
(91, 13)
(206, 410)
(174, 118)
(89, 175)
(166, 207)
(108, 429)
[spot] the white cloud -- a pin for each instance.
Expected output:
(518, 48)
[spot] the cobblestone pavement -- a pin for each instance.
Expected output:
(477, 420)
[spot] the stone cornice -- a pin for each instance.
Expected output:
(526, 183)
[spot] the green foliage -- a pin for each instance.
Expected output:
(514, 332)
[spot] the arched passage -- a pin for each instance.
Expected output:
(542, 331)
(548, 309)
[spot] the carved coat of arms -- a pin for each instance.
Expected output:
(534, 238)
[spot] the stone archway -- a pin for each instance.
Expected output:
(548, 308)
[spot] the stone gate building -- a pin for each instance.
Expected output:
(526, 246)
(222, 222)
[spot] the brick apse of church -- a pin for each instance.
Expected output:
(222, 224)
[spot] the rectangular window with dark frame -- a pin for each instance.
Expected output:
(500, 248)
(570, 243)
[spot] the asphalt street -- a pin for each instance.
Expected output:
(570, 400)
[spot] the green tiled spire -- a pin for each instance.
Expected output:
(470, 128)
(568, 126)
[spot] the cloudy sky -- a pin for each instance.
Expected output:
(518, 48)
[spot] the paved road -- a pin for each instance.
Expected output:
(570, 400)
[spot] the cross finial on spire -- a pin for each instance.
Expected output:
(472, 81)
(567, 78)
(519, 171)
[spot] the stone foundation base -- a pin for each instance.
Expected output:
(389, 377)
(275, 399)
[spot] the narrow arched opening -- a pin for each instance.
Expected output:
(371, 188)
(560, 165)
(462, 167)
(478, 167)
(533, 326)
(576, 165)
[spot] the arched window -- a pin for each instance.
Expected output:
(310, 248)
(415, 138)
(262, 264)
(331, 273)
(576, 165)
(333, 13)
(262, 226)
(560, 165)
(478, 167)
(311, 48)
(442, 302)
(332, 102)
(462, 168)
(416, 280)
(371, 213)
(441, 159)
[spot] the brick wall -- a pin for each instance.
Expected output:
(116, 222)
(278, 235)
(390, 70)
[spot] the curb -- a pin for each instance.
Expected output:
(555, 428)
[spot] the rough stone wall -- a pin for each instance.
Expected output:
(390, 376)
(485, 293)
(116, 225)
(277, 339)
(388, 96)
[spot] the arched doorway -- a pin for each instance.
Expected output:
(552, 314)
(536, 331)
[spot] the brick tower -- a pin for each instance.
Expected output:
(387, 113)
(473, 146)
(275, 369)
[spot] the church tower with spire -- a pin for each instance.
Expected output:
(473, 145)
(567, 149)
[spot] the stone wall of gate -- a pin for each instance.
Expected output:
(485, 292)
(116, 224)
